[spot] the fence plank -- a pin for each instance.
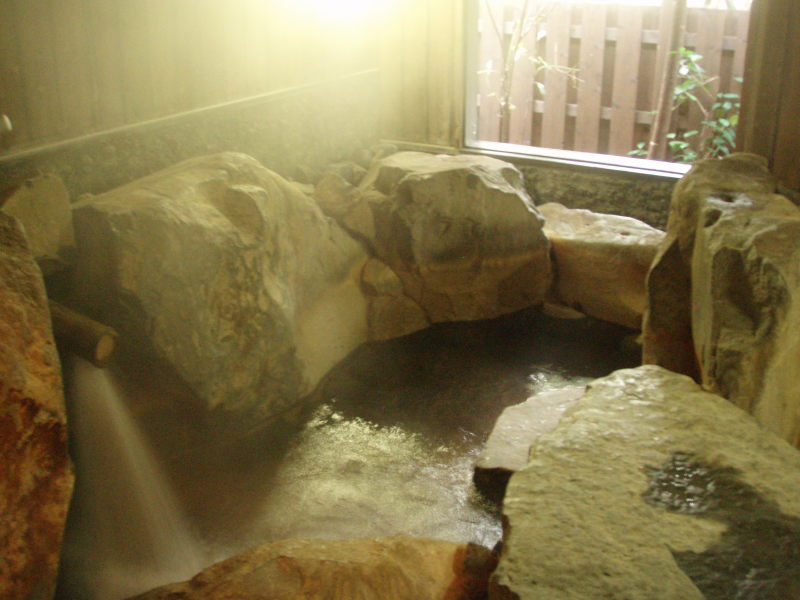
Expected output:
(520, 131)
(555, 98)
(626, 77)
(489, 68)
(740, 51)
(667, 14)
(590, 88)
(708, 43)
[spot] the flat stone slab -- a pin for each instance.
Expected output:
(519, 426)
(652, 489)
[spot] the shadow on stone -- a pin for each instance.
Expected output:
(758, 556)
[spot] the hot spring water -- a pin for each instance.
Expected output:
(389, 449)
(129, 534)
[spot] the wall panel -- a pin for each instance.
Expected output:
(74, 67)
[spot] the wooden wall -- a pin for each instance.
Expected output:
(422, 72)
(770, 122)
(72, 67)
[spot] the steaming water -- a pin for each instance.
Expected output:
(389, 449)
(127, 534)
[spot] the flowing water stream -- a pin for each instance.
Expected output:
(388, 446)
(133, 534)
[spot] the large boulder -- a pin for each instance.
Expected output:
(601, 262)
(228, 272)
(651, 488)
(723, 303)
(460, 234)
(36, 475)
(396, 568)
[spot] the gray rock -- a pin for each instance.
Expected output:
(722, 291)
(601, 262)
(36, 475)
(229, 273)
(651, 488)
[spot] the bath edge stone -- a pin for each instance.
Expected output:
(578, 525)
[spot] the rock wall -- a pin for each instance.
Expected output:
(722, 290)
(641, 197)
(35, 475)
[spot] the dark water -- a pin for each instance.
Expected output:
(387, 444)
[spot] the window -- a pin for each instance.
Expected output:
(581, 80)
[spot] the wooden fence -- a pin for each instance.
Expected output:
(605, 104)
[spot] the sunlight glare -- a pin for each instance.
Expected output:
(343, 11)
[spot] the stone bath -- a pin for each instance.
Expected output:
(386, 445)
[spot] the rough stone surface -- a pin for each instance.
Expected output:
(396, 568)
(519, 426)
(601, 262)
(36, 476)
(641, 197)
(228, 272)
(651, 488)
(42, 206)
(459, 232)
(723, 291)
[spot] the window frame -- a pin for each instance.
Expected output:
(470, 142)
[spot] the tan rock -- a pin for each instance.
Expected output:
(228, 272)
(601, 262)
(36, 475)
(391, 313)
(650, 488)
(723, 291)
(42, 206)
(519, 426)
(460, 233)
(396, 568)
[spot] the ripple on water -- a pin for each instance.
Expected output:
(348, 477)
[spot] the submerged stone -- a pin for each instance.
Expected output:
(652, 489)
